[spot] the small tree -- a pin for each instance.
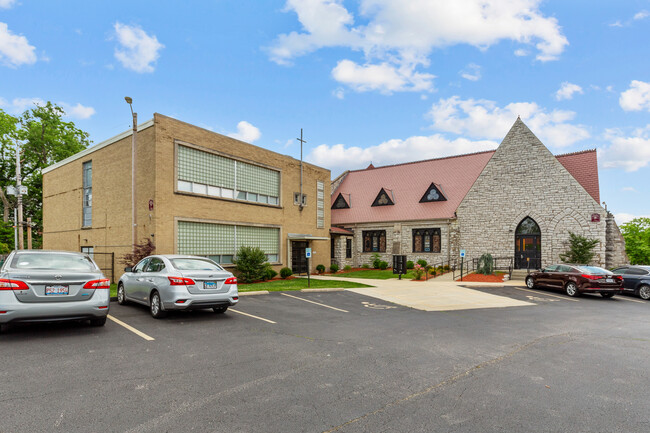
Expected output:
(637, 240)
(376, 260)
(485, 264)
(581, 250)
(250, 263)
(140, 251)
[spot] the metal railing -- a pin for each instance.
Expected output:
(505, 264)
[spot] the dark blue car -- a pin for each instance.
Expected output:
(636, 279)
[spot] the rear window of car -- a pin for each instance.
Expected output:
(186, 264)
(594, 270)
(53, 261)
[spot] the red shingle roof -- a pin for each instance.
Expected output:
(340, 231)
(455, 175)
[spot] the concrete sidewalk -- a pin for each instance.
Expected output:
(434, 295)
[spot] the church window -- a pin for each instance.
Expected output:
(340, 203)
(383, 199)
(426, 240)
(433, 193)
(374, 241)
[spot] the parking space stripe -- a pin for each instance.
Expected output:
(317, 303)
(630, 300)
(250, 315)
(131, 328)
(546, 294)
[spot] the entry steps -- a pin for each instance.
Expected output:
(519, 274)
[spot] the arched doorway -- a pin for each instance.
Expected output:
(528, 245)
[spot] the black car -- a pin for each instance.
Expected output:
(636, 279)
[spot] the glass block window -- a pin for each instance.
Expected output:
(87, 214)
(220, 242)
(205, 173)
(320, 204)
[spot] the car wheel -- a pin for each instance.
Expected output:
(530, 283)
(155, 306)
(644, 292)
(571, 289)
(3, 328)
(219, 310)
(121, 296)
(607, 295)
(98, 322)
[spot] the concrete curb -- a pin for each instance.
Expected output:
(258, 292)
(323, 290)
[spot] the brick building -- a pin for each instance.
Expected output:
(518, 201)
(197, 192)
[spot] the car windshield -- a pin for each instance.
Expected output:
(595, 270)
(53, 261)
(189, 264)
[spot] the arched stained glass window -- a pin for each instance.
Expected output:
(528, 226)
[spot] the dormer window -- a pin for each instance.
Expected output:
(433, 193)
(383, 199)
(340, 203)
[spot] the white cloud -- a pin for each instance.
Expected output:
(616, 24)
(629, 153)
(484, 119)
(629, 189)
(472, 72)
(339, 93)
(137, 50)
(246, 132)
(385, 78)
(19, 105)
(567, 90)
(521, 52)
(641, 15)
(622, 218)
(342, 157)
(637, 97)
(7, 4)
(395, 40)
(15, 50)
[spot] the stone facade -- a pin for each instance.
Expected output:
(523, 179)
(615, 254)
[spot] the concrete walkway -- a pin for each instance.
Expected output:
(439, 294)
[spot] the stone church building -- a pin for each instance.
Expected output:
(518, 201)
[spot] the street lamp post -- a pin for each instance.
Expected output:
(134, 217)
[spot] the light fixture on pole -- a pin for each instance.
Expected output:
(134, 217)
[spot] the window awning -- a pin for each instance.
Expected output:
(306, 237)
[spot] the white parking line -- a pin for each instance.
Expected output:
(317, 303)
(545, 294)
(131, 328)
(630, 300)
(250, 315)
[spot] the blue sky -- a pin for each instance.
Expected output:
(371, 80)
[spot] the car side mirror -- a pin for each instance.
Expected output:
(128, 269)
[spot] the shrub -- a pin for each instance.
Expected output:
(581, 250)
(376, 260)
(320, 269)
(383, 265)
(250, 263)
(409, 264)
(485, 264)
(365, 266)
(269, 273)
(334, 268)
(418, 271)
(446, 268)
(422, 263)
(347, 268)
(432, 271)
(140, 251)
(285, 272)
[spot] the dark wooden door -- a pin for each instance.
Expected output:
(298, 259)
(528, 251)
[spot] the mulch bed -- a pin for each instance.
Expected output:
(480, 278)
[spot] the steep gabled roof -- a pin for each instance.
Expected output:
(584, 168)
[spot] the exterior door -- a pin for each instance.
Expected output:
(298, 259)
(528, 245)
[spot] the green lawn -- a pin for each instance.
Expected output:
(113, 290)
(376, 274)
(298, 284)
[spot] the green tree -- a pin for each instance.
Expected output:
(250, 264)
(637, 240)
(6, 238)
(581, 250)
(44, 139)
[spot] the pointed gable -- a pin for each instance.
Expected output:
(383, 199)
(340, 203)
(433, 193)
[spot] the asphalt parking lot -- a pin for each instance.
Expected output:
(339, 361)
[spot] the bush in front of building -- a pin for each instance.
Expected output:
(334, 268)
(581, 250)
(347, 268)
(418, 271)
(376, 260)
(285, 273)
(422, 263)
(140, 251)
(250, 264)
(268, 273)
(320, 269)
(365, 266)
(409, 264)
(383, 265)
(485, 264)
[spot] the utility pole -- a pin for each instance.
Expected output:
(19, 196)
(301, 143)
(29, 233)
(134, 214)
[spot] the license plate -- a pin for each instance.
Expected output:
(56, 290)
(609, 280)
(209, 285)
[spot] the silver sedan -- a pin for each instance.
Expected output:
(45, 286)
(175, 282)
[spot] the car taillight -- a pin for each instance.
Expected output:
(98, 284)
(12, 285)
(180, 281)
(591, 277)
(231, 280)
(618, 278)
